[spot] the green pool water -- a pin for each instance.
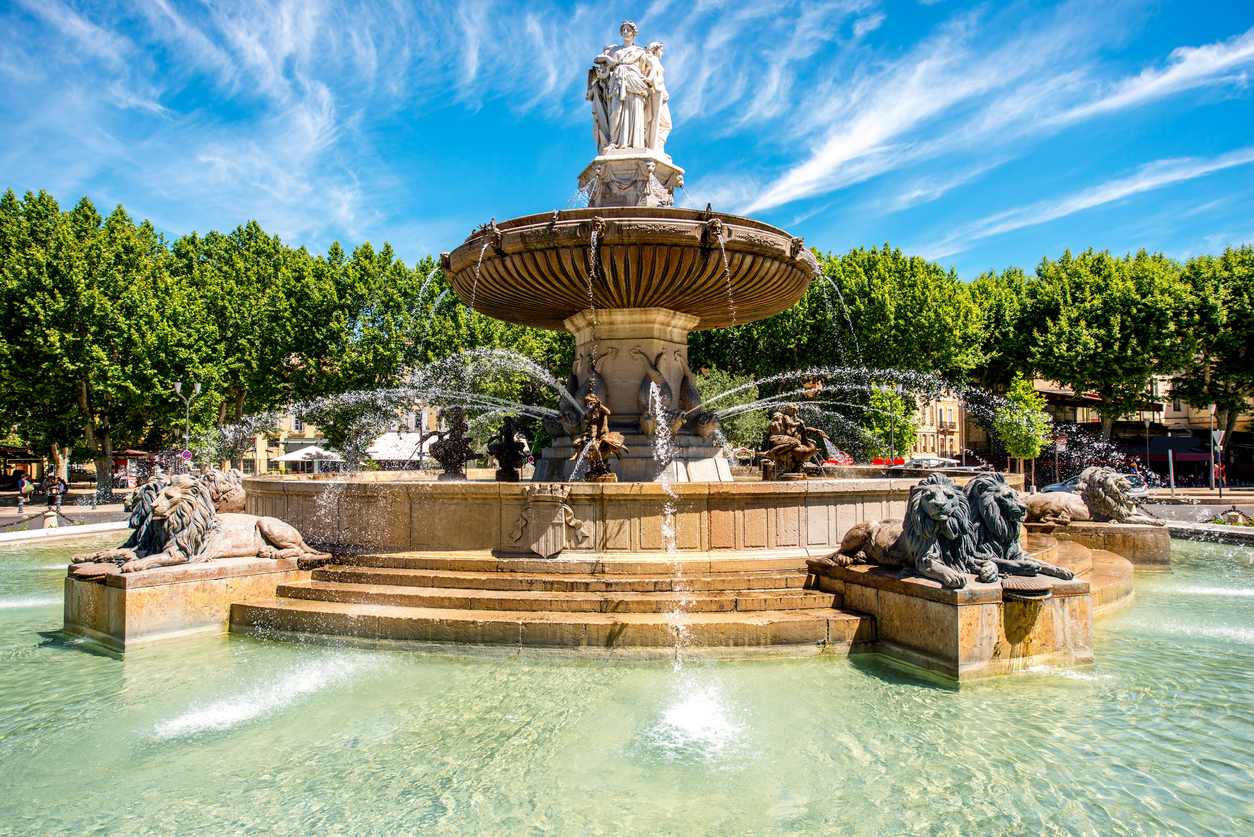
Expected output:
(229, 735)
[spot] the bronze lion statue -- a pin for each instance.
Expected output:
(927, 541)
(997, 513)
(1102, 495)
(183, 528)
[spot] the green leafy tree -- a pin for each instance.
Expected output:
(744, 429)
(1221, 372)
(1108, 324)
(92, 338)
(891, 423)
(898, 311)
(1022, 424)
(1004, 349)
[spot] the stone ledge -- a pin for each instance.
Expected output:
(1147, 547)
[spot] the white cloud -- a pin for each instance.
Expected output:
(1155, 175)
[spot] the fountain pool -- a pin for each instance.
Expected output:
(229, 734)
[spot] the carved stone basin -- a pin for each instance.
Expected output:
(534, 269)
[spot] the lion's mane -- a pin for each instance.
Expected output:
(997, 512)
(1105, 492)
(190, 522)
(145, 537)
(923, 535)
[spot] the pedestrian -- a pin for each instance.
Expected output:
(25, 487)
(1219, 475)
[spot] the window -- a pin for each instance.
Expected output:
(1176, 406)
(298, 426)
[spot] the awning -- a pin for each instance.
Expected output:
(396, 446)
(309, 454)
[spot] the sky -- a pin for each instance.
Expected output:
(978, 134)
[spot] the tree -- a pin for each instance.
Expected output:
(744, 429)
(891, 423)
(1004, 350)
(1221, 372)
(1022, 423)
(876, 306)
(1106, 324)
(89, 346)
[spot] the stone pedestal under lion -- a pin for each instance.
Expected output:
(182, 567)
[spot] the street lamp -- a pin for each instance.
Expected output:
(1211, 467)
(187, 417)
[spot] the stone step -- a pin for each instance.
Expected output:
(573, 564)
(561, 582)
(791, 631)
(1073, 556)
(545, 601)
(1110, 582)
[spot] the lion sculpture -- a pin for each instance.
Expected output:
(997, 513)
(1102, 495)
(183, 528)
(226, 488)
(927, 542)
(949, 533)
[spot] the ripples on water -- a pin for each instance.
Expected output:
(226, 735)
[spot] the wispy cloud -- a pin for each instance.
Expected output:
(1155, 175)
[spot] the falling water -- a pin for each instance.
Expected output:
(664, 456)
(474, 287)
(848, 319)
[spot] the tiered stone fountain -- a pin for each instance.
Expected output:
(674, 552)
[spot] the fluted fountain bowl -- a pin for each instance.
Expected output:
(723, 269)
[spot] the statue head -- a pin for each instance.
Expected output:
(629, 31)
(790, 409)
(590, 400)
(656, 49)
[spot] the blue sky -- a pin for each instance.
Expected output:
(978, 134)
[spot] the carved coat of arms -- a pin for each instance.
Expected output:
(545, 519)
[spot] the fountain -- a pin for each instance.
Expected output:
(633, 536)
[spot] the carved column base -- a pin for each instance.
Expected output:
(631, 177)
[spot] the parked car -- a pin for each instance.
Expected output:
(1138, 491)
(839, 457)
(929, 463)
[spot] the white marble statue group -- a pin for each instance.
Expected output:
(628, 95)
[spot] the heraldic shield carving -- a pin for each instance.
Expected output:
(545, 519)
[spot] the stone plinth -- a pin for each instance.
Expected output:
(692, 460)
(631, 177)
(1147, 547)
(969, 633)
(129, 610)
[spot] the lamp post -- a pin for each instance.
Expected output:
(1211, 467)
(187, 417)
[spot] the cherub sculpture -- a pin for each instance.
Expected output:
(598, 442)
(788, 445)
(509, 450)
(452, 449)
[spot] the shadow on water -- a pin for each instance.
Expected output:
(896, 673)
(73, 642)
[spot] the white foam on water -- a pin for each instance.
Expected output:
(285, 690)
(62, 566)
(699, 724)
(1238, 592)
(28, 601)
(1070, 674)
(1210, 631)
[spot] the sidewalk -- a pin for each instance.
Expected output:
(75, 509)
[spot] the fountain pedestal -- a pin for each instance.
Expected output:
(631, 177)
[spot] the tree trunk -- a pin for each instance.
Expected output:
(60, 461)
(1230, 427)
(98, 444)
(1108, 424)
(239, 404)
(221, 413)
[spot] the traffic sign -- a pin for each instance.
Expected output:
(1217, 436)
(186, 454)
(1060, 444)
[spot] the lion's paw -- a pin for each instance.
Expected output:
(988, 572)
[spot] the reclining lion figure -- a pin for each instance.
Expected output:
(183, 528)
(997, 513)
(1103, 495)
(927, 541)
(226, 488)
(948, 533)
